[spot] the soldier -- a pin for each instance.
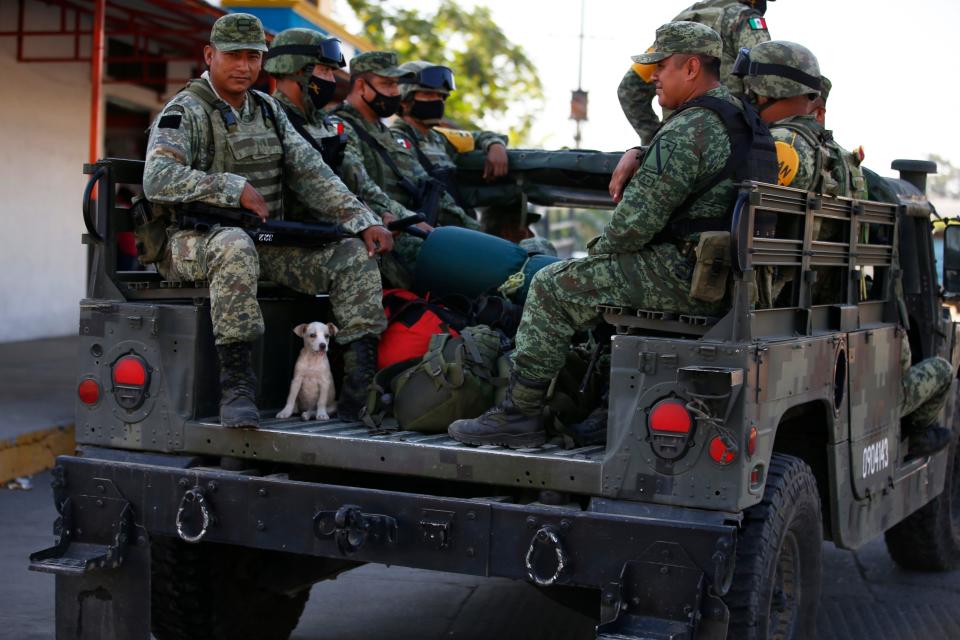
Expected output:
(645, 256)
(924, 388)
(221, 143)
(422, 101)
(302, 61)
(740, 23)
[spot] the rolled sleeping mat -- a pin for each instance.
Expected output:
(472, 263)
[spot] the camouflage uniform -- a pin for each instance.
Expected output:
(441, 146)
(187, 160)
(925, 388)
(739, 25)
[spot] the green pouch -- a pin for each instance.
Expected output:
(709, 281)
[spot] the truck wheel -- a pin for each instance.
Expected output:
(776, 581)
(211, 592)
(929, 539)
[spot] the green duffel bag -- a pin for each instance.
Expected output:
(456, 378)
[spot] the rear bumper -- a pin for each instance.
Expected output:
(647, 560)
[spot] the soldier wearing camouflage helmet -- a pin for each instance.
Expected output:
(388, 158)
(423, 96)
(220, 143)
(645, 257)
(740, 23)
(302, 61)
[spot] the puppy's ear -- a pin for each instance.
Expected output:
(332, 329)
(300, 329)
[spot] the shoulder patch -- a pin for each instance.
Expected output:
(403, 142)
(462, 141)
(655, 161)
(170, 121)
(758, 23)
(789, 161)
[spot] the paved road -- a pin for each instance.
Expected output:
(865, 596)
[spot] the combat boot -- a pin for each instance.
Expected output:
(238, 385)
(927, 441)
(359, 367)
(591, 431)
(517, 422)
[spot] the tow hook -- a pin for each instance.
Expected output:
(547, 538)
(352, 529)
(193, 500)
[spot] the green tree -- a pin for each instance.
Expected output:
(497, 84)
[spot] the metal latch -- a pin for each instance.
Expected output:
(352, 529)
(436, 528)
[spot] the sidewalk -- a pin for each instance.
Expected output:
(37, 393)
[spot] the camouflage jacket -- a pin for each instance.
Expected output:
(688, 149)
(182, 149)
(811, 159)
(738, 24)
(402, 154)
(441, 146)
(352, 171)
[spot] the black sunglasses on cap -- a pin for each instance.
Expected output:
(435, 78)
(744, 66)
(328, 51)
(331, 52)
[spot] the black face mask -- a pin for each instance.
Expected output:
(383, 106)
(320, 91)
(427, 111)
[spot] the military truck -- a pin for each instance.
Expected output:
(736, 445)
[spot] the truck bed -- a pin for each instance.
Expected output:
(350, 445)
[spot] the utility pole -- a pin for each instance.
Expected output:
(578, 98)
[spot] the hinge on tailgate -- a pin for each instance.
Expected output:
(352, 529)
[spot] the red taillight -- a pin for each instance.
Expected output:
(130, 371)
(752, 442)
(671, 416)
(671, 426)
(721, 451)
(89, 391)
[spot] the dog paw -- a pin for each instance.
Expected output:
(323, 416)
(308, 415)
(286, 413)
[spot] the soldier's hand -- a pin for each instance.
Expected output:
(495, 164)
(628, 165)
(387, 218)
(377, 239)
(423, 226)
(251, 199)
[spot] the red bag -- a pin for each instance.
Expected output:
(412, 321)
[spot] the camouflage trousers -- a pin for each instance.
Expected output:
(926, 387)
(228, 259)
(399, 266)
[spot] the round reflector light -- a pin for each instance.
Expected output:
(89, 391)
(720, 452)
(672, 416)
(130, 371)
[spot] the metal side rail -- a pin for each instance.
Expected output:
(655, 567)
(351, 446)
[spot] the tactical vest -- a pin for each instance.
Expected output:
(711, 14)
(836, 173)
(251, 149)
(753, 157)
(447, 176)
(331, 147)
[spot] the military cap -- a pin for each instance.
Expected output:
(825, 86)
(382, 63)
(778, 69)
(238, 31)
(682, 37)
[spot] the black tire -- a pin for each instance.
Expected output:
(776, 581)
(929, 538)
(211, 592)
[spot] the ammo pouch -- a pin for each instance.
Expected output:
(150, 230)
(455, 379)
(709, 282)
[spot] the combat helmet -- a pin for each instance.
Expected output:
(778, 69)
(420, 75)
(294, 49)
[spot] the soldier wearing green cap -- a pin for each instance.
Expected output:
(302, 61)
(740, 23)
(423, 94)
(220, 143)
(646, 256)
(388, 158)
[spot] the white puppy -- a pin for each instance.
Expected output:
(312, 390)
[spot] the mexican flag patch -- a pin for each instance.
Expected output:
(758, 23)
(403, 142)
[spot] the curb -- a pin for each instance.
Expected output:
(34, 451)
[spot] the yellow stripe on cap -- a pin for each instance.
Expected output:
(789, 161)
(462, 141)
(645, 71)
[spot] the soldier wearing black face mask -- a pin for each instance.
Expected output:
(423, 94)
(303, 62)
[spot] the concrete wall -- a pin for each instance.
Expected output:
(44, 125)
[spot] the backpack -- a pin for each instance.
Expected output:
(412, 321)
(456, 378)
